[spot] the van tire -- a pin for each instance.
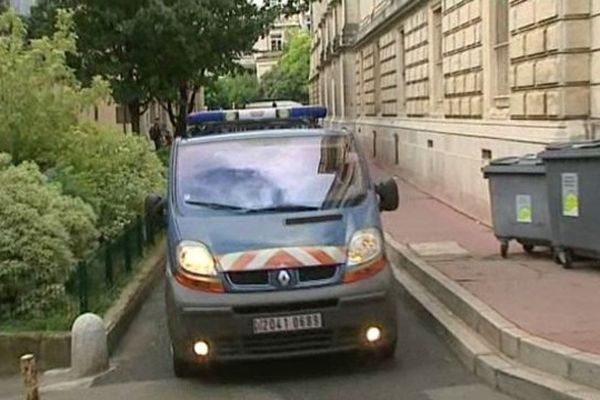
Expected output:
(388, 351)
(181, 368)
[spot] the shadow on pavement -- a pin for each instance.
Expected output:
(309, 368)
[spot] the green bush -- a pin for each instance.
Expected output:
(43, 233)
(164, 156)
(112, 172)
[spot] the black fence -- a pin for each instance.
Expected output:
(101, 276)
(93, 286)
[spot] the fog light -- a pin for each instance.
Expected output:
(201, 348)
(373, 334)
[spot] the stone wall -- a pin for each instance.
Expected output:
(550, 57)
(462, 49)
(438, 129)
(595, 62)
(388, 74)
(368, 80)
(416, 45)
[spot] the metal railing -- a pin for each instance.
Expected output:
(92, 285)
(111, 265)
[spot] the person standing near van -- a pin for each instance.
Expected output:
(156, 134)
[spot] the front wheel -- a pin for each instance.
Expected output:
(182, 369)
(381, 353)
(388, 351)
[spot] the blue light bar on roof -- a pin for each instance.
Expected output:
(310, 112)
(289, 113)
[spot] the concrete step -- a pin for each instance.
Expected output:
(490, 346)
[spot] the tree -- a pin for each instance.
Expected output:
(232, 90)
(197, 41)
(40, 97)
(162, 49)
(289, 78)
(43, 233)
(106, 46)
(112, 172)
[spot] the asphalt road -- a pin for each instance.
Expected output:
(423, 369)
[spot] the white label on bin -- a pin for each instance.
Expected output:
(524, 209)
(570, 195)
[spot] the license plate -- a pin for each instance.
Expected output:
(287, 323)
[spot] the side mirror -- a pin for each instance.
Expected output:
(154, 205)
(388, 195)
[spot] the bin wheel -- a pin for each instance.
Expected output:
(504, 249)
(528, 248)
(565, 257)
(555, 257)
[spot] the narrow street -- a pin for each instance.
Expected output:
(424, 369)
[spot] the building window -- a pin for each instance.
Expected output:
(276, 42)
(437, 62)
(500, 37)
(123, 116)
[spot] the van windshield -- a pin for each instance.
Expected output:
(271, 174)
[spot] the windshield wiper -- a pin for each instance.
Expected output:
(214, 206)
(284, 208)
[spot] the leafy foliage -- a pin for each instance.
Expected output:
(197, 40)
(160, 49)
(232, 90)
(289, 78)
(112, 172)
(42, 234)
(40, 97)
(164, 155)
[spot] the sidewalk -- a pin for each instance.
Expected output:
(531, 291)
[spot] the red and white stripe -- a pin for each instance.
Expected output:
(282, 257)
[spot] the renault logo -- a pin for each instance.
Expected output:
(284, 278)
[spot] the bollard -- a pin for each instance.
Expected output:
(89, 347)
(30, 378)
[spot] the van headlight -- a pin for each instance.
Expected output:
(195, 258)
(197, 268)
(365, 255)
(365, 245)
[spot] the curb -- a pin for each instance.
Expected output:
(118, 318)
(504, 356)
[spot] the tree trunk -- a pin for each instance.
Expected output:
(182, 107)
(134, 112)
(179, 110)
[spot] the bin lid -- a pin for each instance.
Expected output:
(585, 149)
(528, 164)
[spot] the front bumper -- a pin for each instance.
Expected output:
(225, 320)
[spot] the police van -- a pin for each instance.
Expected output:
(275, 244)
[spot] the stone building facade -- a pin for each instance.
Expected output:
(436, 88)
(269, 48)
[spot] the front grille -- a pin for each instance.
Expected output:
(306, 276)
(319, 273)
(249, 277)
(278, 343)
(286, 307)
